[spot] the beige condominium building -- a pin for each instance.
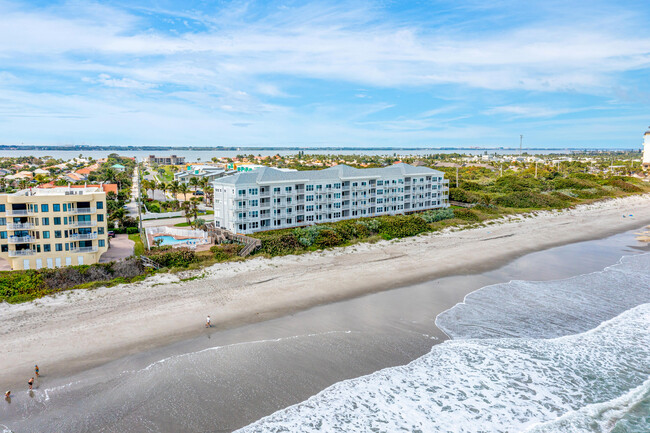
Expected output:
(53, 227)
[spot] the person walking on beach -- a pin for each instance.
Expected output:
(30, 382)
(207, 323)
(8, 395)
(36, 370)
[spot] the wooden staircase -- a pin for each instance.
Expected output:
(220, 235)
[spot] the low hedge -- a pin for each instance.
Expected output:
(172, 257)
(529, 199)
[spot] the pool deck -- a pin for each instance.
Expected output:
(199, 247)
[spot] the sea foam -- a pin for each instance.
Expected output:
(598, 377)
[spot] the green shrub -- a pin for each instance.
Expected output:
(278, 244)
(172, 258)
(372, 224)
(307, 235)
(471, 186)
(465, 214)
(571, 183)
(131, 230)
(528, 200)
(623, 185)
(509, 184)
(401, 226)
(328, 238)
(432, 216)
(224, 252)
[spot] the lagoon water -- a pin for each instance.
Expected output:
(563, 347)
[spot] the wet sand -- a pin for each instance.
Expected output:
(226, 379)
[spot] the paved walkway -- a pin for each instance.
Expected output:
(121, 248)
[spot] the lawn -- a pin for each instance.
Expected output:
(138, 248)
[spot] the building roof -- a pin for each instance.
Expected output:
(106, 187)
(342, 172)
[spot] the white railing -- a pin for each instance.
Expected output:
(84, 250)
(20, 239)
(83, 236)
(19, 212)
(84, 224)
(18, 253)
(82, 210)
(19, 226)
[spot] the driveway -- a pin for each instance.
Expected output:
(121, 248)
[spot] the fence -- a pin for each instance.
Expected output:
(199, 236)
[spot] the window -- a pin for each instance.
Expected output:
(3, 235)
(67, 246)
(241, 192)
(46, 234)
(276, 189)
(3, 221)
(56, 207)
(337, 186)
(101, 243)
(65, 220)
(309, 198)
(100, 205)
(58, 247)
(242, 215)
(309, 188)
(337, 195)
(380, 209)
(57, 234)
(310, 218)
(2, 208)
(380, 182)
(65, 207)
(46, 248)
(337, 205)
(288, 188)
(328, 186)
(100, 230)
(319, 187)
(57, 221)
(45, 207)
(309, 208)
(4, 248)
(100, 218)
(45, 221)
(254, 202)
(252, 191)
(254, 214)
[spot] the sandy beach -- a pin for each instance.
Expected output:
(80, 329)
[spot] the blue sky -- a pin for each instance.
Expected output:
(371, 74)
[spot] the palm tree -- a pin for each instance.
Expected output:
(22, 184)
(183, 189)
(164, 188)
(174, 188)
(194, 183)
(187, 210)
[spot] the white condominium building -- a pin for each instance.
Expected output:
(54, 227)
(269, 199)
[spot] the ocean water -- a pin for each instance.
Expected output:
(559, 356)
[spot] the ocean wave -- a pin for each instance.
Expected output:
(574, 351)
(547, 309)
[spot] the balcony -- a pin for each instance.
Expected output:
(83, 236)
(19, 212)
(83, 223)
(20, 239)
(82, 210)
(84, 250)
(19, 226)
(19, 253)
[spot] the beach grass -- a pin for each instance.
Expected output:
(138, 248)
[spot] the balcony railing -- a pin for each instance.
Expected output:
(18, 253)
(19, 226)
(84, 223)
(84, 250)
(83, 236)
(82, 210)
(20, 239)
(19, 212)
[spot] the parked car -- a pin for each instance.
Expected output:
(111, 234)
(198, 192)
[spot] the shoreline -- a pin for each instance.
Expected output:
(77, 330)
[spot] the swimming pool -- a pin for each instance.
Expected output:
(170, 240)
